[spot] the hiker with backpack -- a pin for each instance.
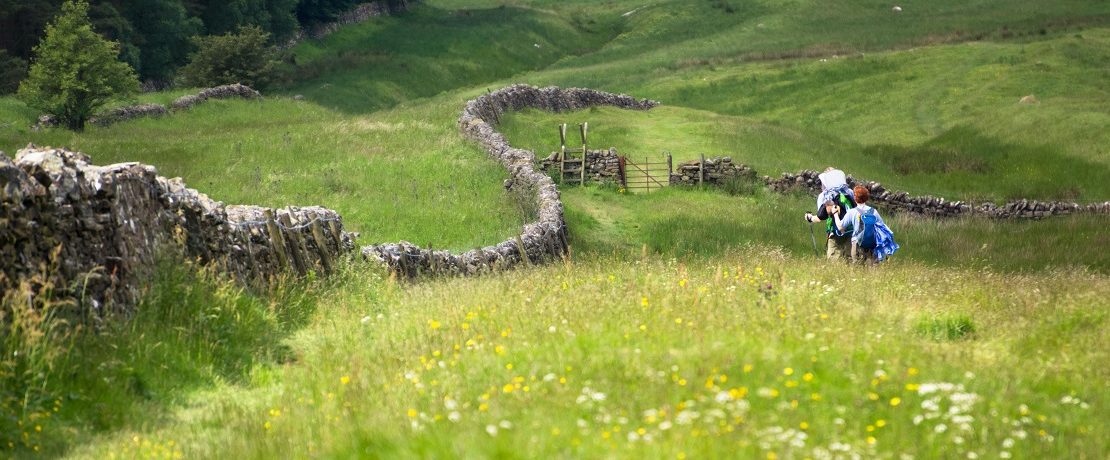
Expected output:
(835, 195)
(871, 239)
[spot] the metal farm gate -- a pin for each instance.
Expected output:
(645, 175)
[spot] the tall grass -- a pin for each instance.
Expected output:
(750, 352)
(64, 378)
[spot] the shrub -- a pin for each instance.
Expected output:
(12, 71)
(945, 327)
(75, 71)
(244, 57)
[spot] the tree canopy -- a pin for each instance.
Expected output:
(75, 71)
(154, 36)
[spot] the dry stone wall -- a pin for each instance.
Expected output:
(939, 207)
(601, 165)
(717, 171)
(546, 237)
(91, 233)
(119, 114)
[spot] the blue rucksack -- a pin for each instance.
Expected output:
(867, 220)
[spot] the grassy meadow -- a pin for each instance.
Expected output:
(687, 323)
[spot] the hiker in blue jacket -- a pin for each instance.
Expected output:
(871, 238)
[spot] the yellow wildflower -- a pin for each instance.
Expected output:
(895, 401)
(433, 324)
(344, 380)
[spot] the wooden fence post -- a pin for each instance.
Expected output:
(297, 248)
(321, 245)
(670, 168)
(620, 170)
(277, 241)
(701, 170)
(523, 253)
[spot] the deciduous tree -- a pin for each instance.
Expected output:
(75, 71)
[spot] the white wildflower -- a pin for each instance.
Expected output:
(491, 429)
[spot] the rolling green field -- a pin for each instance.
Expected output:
(687, 323)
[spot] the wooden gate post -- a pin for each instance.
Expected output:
(701, 171)
(620, 170)
(670, 168)
(562, 142)
(584, 128)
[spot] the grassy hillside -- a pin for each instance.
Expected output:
(688, 323)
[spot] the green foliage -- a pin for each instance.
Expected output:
(945, 327)
(22, 23)
(166, 31)
(108, 22)
(312, 12)
(274, 16)
(75, 71)
(243, 57)
(12, 71)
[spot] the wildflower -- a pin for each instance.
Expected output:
(803, 425)
(267, 425)
(747, 368)
(808, 377)
(895, 401)
(880, 423)
(871, 440)
(788, 371)
(644, 301)
(643, 327)
(873, 396)
(509, 366)
(433, 324)
(344, 380)
(508, 388)
(483, 407)
(491, 429)
(412, 413)
(682, 282)
(454, 417)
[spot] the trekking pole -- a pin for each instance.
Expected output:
(813, 239)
